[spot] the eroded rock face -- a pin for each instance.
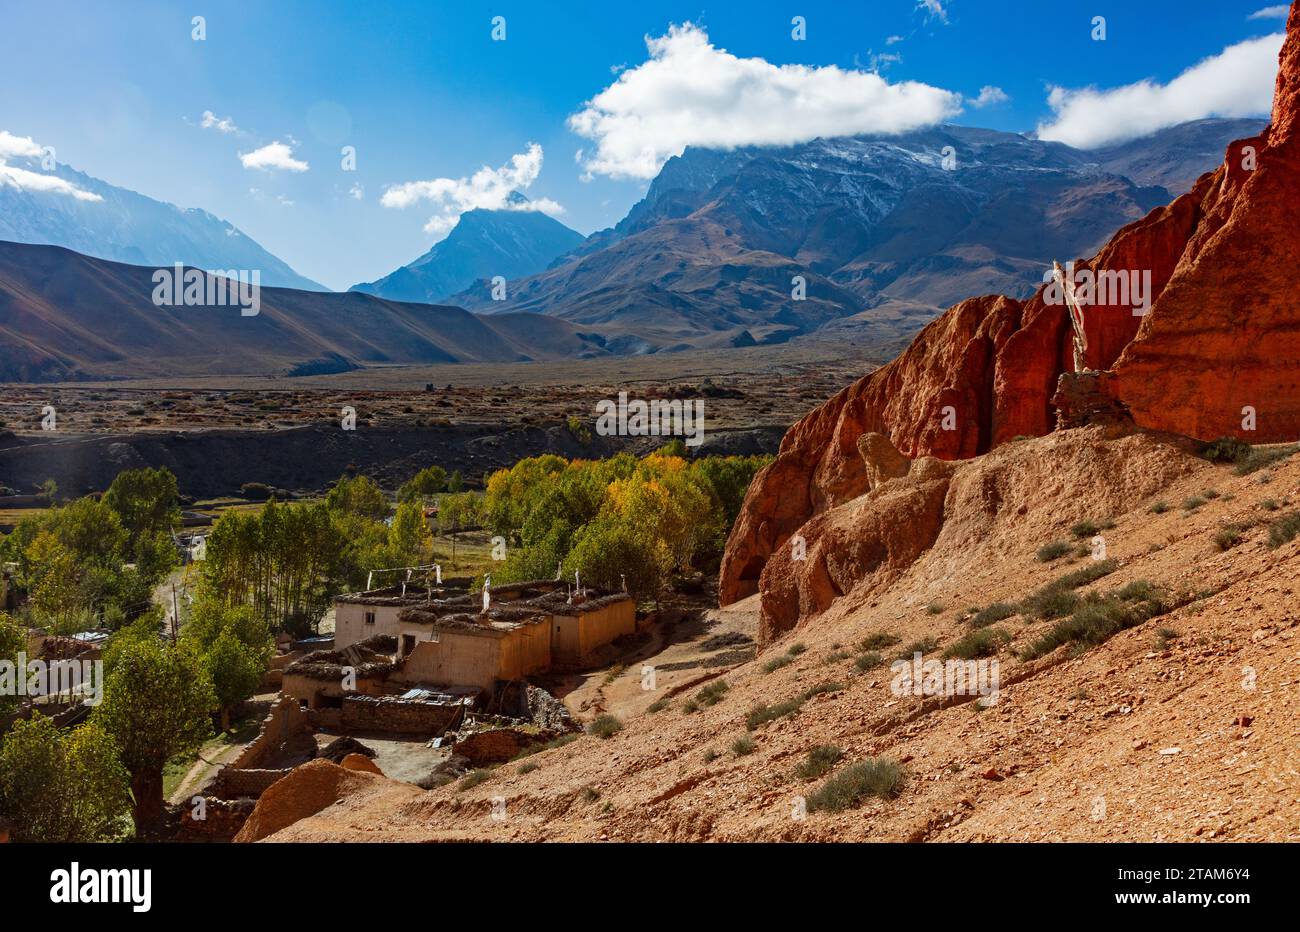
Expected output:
(1213, 328)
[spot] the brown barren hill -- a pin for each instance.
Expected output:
(1216, 353)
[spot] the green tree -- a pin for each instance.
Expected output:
(145, 501)
(157, 700)
(235, 669)
(454, 482)
(359, 496)
(408, 536)
(13, 639)
(60, 786)
(54, 582)
(428, 481)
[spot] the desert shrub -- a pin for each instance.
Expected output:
(710, 756)
(868, 661)
(1051, 601)
(1099, 617)
(1053, 551)
(713, 693)
(777, 663)
(1087, 574)
(589, 794)
(830, 686)
(983, 642)
(797, 648)
(762, 714)
(658, 705)
(923, 646)
(1193, 502)
(743, 745)
(1229, 536)
(1225, 450)
(1159, 508)
(819, 762)
(934, 608)
(1269, 504)
(1086, 529)
(1259, 458)
(527, 767)
(474, 778)
(875, 776)
(995, 612)
(1284, 529)
(877, 641)
(605, 726)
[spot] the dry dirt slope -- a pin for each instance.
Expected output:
(1077, 747)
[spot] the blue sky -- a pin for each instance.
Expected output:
(422, 92)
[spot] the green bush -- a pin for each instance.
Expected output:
(875, 776)
(762, 714)
(995, 612)
(868, 661)
(984, 642)
(820, 761)
(1053, 551)
(605, 726)
(712, 694)
(1284, 529)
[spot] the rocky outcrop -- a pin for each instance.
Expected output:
(1205, 331)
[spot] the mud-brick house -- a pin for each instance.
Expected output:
(362, 615)
(321, 679)
(529, 627)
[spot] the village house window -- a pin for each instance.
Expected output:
(370, 618)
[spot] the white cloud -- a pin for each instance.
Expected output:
(989, 96)
(220, 124)
(24, 147)
(277, 155)
(1238, 82)
(356, 192)
(689, 93)
(487, 188)
(933, 10)
(893, 39)
(1271, 12)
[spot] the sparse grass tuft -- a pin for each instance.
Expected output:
(935, 608)
(836, 656)
(1225, 450)
(875, 776)
(1099, 617)
(868, 661)
(1229, 536)
(589, 794)
(820, 761)
(995, 612)
(743, 745)
(474, 778)
(1159, 508)
(1259, 458)
(831, 686)
(777, 663)
(984, 642)
(878, 641)
(1192, 503)
(1053, 551)
(1269, 504)
(797, 648)
(658, 705)
(527, 767)
(1164, 636)
(605, 726)
(710, 756)
(1085, 529)
(713, 693)
(1284, 529)
(762, 714)
(923, 646)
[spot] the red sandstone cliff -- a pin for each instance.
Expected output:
(1222, 332)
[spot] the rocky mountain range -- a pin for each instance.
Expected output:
(512, 242)
(895, 225)
(124, 226)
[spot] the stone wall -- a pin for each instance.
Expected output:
(397, 716)
(222, 820)
(234, 783)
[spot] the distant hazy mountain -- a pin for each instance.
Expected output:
(128, 227)
(708, 257)
(65, 316)
(483, 244)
